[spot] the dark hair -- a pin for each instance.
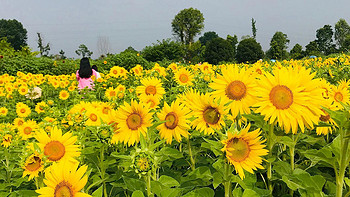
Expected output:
(85, 70)
(94, 67)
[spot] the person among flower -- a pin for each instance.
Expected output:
(84, 74)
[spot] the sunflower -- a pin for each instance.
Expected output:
(6, 140)
(209, 113)
(137, 70)
(290, 97)
(151, 100)
(22, 110)
(58, 147)
(93, 116)
(40, 107)
(176, 125)
(339, 94)
(17, 122)
(62, 179)
(3, 111)
(23, 90)
(132, 119)
(236, 86)
(244, 150)
(326, 118)
(184, 77)
(27, 129)
(64, 95)
(151, 86)
(111, 93)
(33, 165)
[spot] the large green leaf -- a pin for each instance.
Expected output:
(168, 181)
(250, 193)
(137, 193)
(134, 184)
(172, 192)
(200, 192)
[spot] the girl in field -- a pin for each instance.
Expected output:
(84, 74)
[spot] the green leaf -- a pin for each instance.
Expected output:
(250, 193)
(217, 179)
(171, 153)
(157, 187)
(202, 172)
(336, 146)
(173, 192)
(168, 181)
(287, 141)
(237, 192)
(134, 184)
(347, 181)
(137, 193)
(143, 142)
(156, 145)
(282, 168)
(98, 192)
(201, 192)
(291, 184)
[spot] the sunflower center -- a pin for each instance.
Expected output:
(27, 130)
(23, 110)
(115, 72)
(326, 117)
(211, 115)
(152, 103)
(63, 189)
(93, 117)
(134, 121)
(338, 96)
(281, 97)
(112, 93)
(172, 120)
(183, 78)
(236, 90)
(239, 149)
(34, 165)
(151, 90)
(105, 110)
(55, 150)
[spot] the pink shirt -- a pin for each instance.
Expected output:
(83, 82)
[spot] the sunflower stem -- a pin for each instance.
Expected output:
(148, 182)
(269, 164)
(103, 170)
(292, 152)
(342, 163)
(227, 184)
(193, 163)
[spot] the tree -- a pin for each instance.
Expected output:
(233, 40)
(83, 51)
(103, 45)
(208, 36)
(296, 52)
(15, 33)
(278, 46)
(165, 49)
(44, 50)
(324, 40)
(187, 24)
(248, 50)
(346, 44)
(312, 49)
(218, 50)
(253, 28)
(62, 56)
(342, 30)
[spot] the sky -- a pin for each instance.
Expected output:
(66, 24)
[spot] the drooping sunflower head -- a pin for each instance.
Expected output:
(237, 87)
(64, 179)
(244, 150)
(32, 166)
(291, 98)
(58, 147)
(6, 140)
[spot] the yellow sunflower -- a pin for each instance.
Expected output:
(93, 116)
(58, 147)
(62, 179)
(244, 150)
(236, 86)
(3, 111)
(22, 110)
(6, 140)
(209, 113)
(177, 123)
(27, 129)
(326, 118)
(184, 77)
(40, 107)
(151, 100)
(291, 98)
(339, 94)
(132, 119)
(64, 95)
(151, 86)
(23, 90)
(33, 165)
(111, 93)
(17, 122)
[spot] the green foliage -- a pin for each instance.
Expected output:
(83, 51)
(341, 32)
(278, 46)
(187, 24)
(194, 52)
(127, 59)
(296, 52)
(164, 50)
(218, 50)
(208, 36)
(312, 49)
(324, 40)
(15, 33)
(44, 49)
(249, 50)
(233, 40)
(254, 28)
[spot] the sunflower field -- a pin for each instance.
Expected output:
(264, 129)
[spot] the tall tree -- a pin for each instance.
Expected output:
(296, 52)
(233, 40)
(218, 50)
(208, 36)
(15, 33)
(278, 46)
(187, 24)
(83, 51)
(342, 30)
(253, 28)
(62, 56)
(324, 40)
(248, 50)
(312, 49)
(44, 49)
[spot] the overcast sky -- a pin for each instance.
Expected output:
(66, 24)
